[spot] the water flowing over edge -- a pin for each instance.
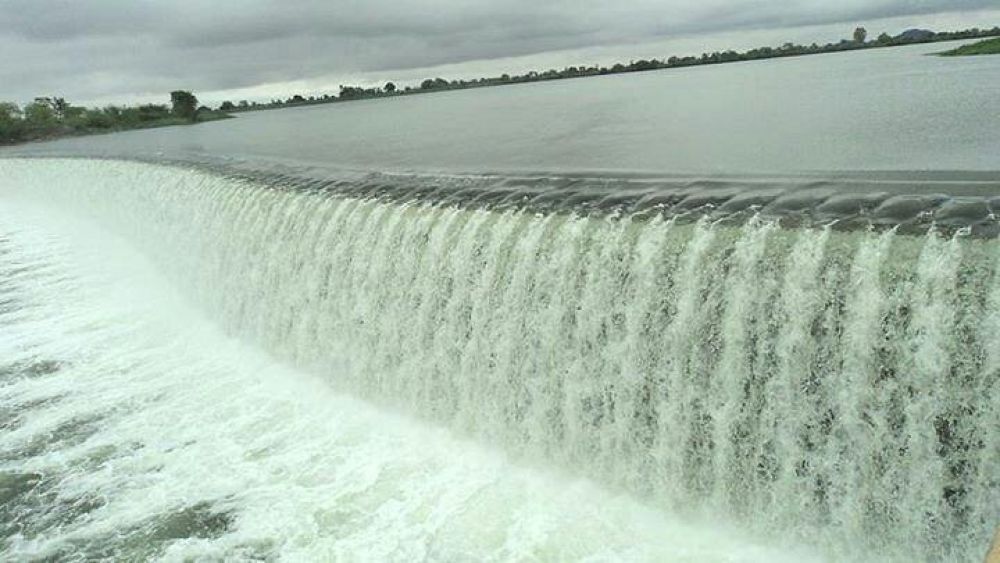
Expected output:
(134, 430)
(910, 202)
(838, 387)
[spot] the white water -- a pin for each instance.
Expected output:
(837, 390)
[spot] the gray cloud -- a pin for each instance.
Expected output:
(87, 50)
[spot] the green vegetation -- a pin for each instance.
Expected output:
(859, 40)
(988, 47)
(49, 118)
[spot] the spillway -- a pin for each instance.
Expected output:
(234, 364)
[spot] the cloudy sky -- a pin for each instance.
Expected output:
(100, 51)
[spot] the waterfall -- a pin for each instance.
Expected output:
(837, 386)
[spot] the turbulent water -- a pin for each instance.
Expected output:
(196, 365)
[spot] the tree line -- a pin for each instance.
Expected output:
(858, 40)
(50, 117)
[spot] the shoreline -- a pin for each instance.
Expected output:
(789, 50)
(71, 133)
(351, 93)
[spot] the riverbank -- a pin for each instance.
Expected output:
(988, 47)
(61, 130)
(48, 118)
(859, 41)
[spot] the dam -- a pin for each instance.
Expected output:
(815, 384)
(745, 312)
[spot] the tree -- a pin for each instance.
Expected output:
(10, 122)
(61, 107)
(40, 113)
(389, 87)
(227, 106)
(860, 34)
(884, 39)
(9, 112)
(97, 119)
(184, 104)
(154, 112)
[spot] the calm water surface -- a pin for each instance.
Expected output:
(885, 109)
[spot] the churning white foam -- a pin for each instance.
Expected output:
(135, 428)
(190, 376)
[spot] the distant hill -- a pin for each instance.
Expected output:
(916, 35)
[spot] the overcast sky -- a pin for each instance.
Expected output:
(132, 50)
